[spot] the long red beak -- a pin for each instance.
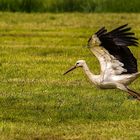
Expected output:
(72, 68)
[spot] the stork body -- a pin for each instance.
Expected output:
(108, 82)
(118, 65)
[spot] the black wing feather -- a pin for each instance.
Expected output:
(117, 42)
(101, 32)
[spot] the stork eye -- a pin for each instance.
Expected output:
(78, 63)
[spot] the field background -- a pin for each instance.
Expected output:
(60, 6)
(38, 102)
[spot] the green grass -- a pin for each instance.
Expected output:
(38, 102)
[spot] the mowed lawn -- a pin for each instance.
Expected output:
(38, 103)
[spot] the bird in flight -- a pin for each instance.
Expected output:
(118, 65)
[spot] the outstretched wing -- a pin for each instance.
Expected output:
(113, 52)
(109, 64)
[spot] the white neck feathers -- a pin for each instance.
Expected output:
(90, 75)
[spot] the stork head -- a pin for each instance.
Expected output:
(79, 63)
(94, 41)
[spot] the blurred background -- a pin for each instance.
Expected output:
(70, 6)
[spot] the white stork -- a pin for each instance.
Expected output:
(118, 65)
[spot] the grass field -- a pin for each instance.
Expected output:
(37, 102)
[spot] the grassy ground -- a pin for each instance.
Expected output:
(38, 102)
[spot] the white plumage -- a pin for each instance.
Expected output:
(118, 65)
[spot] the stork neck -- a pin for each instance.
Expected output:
(88, 72)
